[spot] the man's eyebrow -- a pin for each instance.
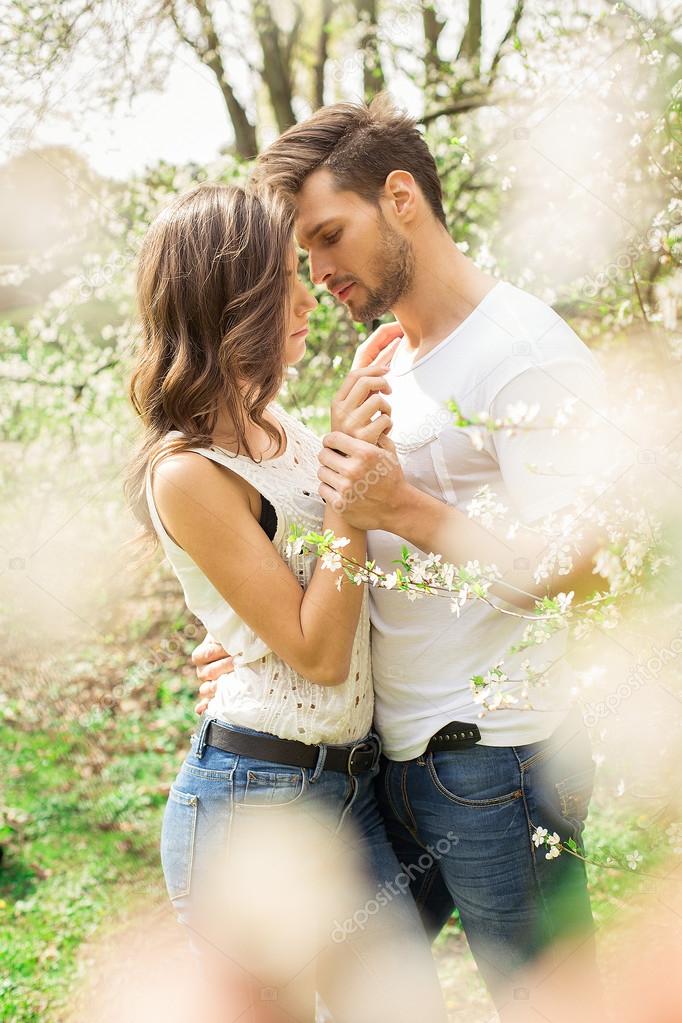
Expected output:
(316, 230)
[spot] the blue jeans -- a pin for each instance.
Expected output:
(482, 804)
(217, 794)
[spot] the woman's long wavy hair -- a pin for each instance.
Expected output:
(214, 299)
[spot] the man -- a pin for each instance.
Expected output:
(369, 211)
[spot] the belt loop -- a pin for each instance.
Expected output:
(354, 788)
(319, 766)
(201, 737)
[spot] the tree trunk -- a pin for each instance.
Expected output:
(327, 8)
(207, 48)
(471, 43)
(276, 62)
(373, 74)
(433, 66)
(245, 141)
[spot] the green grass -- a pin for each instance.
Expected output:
(82, 802)
(83, 795)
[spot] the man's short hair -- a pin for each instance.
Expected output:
(360, 144)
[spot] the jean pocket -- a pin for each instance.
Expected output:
(574, 794)
(177, 841)
(271, 788)
(486, 788)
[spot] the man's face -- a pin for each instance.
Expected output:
(353, 250)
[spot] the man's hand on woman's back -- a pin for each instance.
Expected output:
(211, 660)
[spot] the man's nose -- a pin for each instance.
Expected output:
(320, 269)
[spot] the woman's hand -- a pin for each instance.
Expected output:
(379, 347)
(359, 407)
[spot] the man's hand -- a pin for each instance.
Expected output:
(363, 482)
(211, 661)
(379, 347)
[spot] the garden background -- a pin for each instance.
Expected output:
(557, 132)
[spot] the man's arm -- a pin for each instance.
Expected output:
(541, 470)
(366, 483)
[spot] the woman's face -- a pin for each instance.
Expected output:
(302, 303)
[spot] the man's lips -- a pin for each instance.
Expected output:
(343, 292)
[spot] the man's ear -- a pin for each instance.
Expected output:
(400, 189)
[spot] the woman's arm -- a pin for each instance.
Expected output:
(206, 509)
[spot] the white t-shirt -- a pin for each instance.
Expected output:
(512, 348)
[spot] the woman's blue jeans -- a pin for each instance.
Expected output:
(214, 797)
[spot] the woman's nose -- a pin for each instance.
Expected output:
(305, 300)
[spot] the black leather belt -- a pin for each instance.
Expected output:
(355, 758)
(455, 735)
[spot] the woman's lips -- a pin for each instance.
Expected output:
(298, 333)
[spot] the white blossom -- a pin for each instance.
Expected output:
(634, 859)
(332, 561)
(485, 507)
(539, 836)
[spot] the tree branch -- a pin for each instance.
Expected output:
(511, 31)
(463, 106)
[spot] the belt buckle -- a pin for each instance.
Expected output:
(368, 747)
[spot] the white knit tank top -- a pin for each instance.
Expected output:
(264, 692)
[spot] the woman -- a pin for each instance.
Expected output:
(222, 475)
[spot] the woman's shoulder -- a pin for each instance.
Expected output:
(180, 476)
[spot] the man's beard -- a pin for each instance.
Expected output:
(393, 264)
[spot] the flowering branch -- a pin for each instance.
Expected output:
(542, 839)
(632, 552)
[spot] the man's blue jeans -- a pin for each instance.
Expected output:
(482, 805)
